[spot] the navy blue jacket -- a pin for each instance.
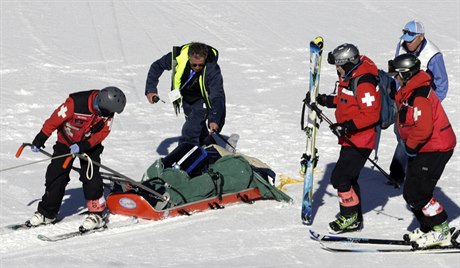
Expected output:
(213, 83)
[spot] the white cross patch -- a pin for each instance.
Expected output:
(62, 111)
(368, 99)
(417, 113)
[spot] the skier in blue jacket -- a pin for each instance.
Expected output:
(197, 84)
(413, 41)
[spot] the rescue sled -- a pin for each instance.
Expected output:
(190, 180)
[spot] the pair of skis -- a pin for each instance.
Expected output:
(63, 236)
(310, 157)
(335, 243)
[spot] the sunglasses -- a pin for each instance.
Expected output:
(406, 31)
(197, 65)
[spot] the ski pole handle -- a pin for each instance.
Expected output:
(20, 149)
(156, 99)
(67, 161)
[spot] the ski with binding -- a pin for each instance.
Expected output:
(109, 226)
(336, 243)
(310, 157)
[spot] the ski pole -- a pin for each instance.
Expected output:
(325, 118)
(21, 148)
(115, 176)
(34, 162)
(19, 152)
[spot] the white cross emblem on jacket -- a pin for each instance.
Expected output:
(368, 99)
(62, 111)
(417, 113)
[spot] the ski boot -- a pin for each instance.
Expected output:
(92, 221)
(439, 236)
(38, 219)
(414, 235)
(345, 223)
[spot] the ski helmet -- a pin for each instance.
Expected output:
(343, 54)
(111, 100)
(406, 65)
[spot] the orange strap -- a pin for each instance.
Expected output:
(97, 205)
(348, 199)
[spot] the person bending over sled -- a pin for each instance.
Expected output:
(429, 142)
(357, 112)
(198, 85)
(82, 122)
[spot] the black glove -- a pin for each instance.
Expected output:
(325, 100)
(40, 140)
(343, 129)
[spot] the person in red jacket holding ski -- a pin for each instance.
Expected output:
(429, 142)
(82, 122)
(357, 113)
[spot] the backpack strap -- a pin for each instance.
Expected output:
(369, 78)
(418, 92)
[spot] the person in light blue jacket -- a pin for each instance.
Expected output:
(413, 41)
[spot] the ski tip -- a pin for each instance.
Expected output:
(315, 236)
(44, 238)
(319, 41)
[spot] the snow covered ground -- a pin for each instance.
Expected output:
(52, 48)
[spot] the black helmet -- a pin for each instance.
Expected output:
(344, 54)
(406, 65)
(111, 100)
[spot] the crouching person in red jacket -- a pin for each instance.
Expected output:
(82, 122)
(429, 141)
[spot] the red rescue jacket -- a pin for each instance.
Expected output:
(362, 106)
(77, 122)
(423, 124)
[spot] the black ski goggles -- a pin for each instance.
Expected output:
(410, 33)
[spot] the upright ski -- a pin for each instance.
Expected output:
(310, 157)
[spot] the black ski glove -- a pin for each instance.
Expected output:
(325, 100)
(40, 140)
(343, 129)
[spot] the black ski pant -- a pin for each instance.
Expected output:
(398, 164)
(58, 177)
(346, 173)
(423, 173)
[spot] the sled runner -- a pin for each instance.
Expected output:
(131, 204)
